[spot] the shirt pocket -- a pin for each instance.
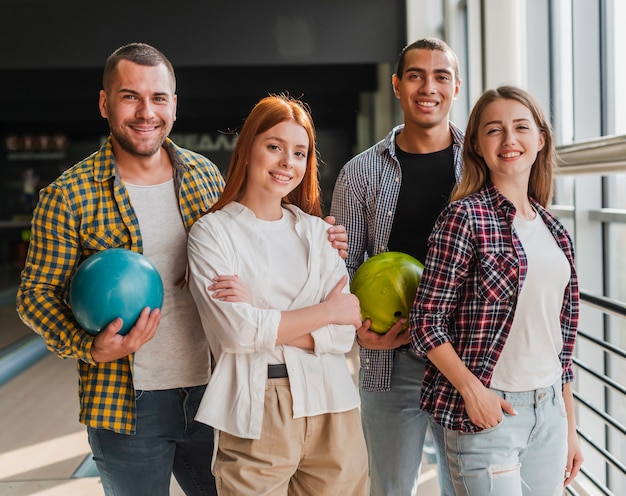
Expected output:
(498, 276)
(94, 241)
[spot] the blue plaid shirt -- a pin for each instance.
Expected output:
(85, 210)
(364, 200)
(467, 296)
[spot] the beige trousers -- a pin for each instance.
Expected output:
(322, 455)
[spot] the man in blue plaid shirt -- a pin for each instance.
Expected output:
(389, 197)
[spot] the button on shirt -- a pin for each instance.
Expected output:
(468, 292)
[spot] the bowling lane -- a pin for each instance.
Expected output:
(11, 327)
(42, 443)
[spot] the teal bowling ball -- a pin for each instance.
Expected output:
(114, 283)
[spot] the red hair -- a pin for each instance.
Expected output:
(267, 113)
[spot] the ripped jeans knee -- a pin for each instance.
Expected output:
(497, 472)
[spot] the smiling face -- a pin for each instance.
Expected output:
(508, 139)
(140, 106)
(277, 164)
(427, 88)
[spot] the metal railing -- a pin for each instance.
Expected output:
(606, 155)
(612, 462)
(601, 434)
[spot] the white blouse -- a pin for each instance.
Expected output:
(242, 337)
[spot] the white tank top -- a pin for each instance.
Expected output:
(530, 358)
(178, 355)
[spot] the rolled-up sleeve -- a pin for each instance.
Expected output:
(53, 254)
(334, 338)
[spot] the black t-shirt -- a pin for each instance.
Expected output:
(427, 181)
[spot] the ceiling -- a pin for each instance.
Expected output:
(227, 55)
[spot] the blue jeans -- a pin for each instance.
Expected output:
(168, 440)
(525, 454)
(395, 428)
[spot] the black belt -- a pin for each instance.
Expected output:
(276, 371)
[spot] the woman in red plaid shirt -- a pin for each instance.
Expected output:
(497, 310)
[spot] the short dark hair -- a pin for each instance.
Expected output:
(139, 53)
(428, 44)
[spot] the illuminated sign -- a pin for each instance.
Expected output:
(204, 143)
(36, 147)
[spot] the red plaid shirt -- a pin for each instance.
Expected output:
(468, 293)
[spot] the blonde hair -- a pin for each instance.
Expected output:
(475, 170)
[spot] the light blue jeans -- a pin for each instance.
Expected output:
(525, 454)
(168, 440)
(395, 427)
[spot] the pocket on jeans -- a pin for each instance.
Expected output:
(138, 394)
(485, 431)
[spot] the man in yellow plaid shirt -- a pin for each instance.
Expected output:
(137, 192)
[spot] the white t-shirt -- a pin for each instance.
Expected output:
(287, 266)
(178, 355)
(530, 357)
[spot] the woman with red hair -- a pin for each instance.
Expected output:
(279, 322)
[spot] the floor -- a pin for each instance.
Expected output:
(43, 447)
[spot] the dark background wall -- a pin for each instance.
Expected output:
(227, 55)
(81, 33)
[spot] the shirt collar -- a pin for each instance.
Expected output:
(389, 142)
(105, 166)
(495, 199)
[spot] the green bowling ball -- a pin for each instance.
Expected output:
(385, 285)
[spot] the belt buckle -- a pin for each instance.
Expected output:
(277, 371)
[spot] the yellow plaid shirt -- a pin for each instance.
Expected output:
(85, 210)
